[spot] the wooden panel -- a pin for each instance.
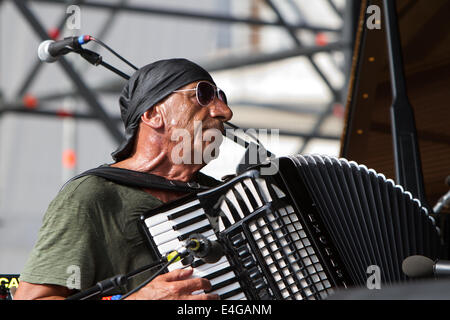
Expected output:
(367, 139)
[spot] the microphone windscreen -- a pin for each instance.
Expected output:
(43, 52)
(417, 266)
(215, 253)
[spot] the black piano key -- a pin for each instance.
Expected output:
(250, 196)
(198, 230)
(218, 273)
(242, 205)
(234, 213)
(223, 217)
(187, 223)
(197, 263)
(183, 212)
(223, 284)
(230, 294)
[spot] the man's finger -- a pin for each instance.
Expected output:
(176, 275)
(205, 296)
(191, 285)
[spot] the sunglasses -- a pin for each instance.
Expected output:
(206, 93)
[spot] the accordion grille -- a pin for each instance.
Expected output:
(290, 256)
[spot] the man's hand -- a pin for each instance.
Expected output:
(175, 285)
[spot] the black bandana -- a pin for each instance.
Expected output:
(148, 86)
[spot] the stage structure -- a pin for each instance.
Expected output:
(24, 103)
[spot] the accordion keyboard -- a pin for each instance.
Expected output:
(269, 254)
(171, 228)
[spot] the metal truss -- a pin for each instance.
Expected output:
(111, 123)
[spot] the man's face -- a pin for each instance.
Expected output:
(203, 125)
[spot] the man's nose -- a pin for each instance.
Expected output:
(219, 110)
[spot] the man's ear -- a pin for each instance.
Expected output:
(153, 117)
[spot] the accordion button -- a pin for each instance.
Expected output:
(243, 251)
(254, 273)
(237, 240)
(260, 284)
(323, 240)
(248, 263)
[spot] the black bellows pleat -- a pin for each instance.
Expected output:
(371, 220)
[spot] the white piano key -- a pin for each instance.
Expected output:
(160, 228)
(154, 220)
(168, 236)
(194, 226)
(169, 246)
(221, 225)
(206, 266)
(176, 265)
(253, 191)
(240, 189)
(227, 212)
(188, 216)
(280, 194)
(182, 207)
(201, 273)
(210, 235)
(227, 288)
(264, 190)
(230, 196)
(161, 217)
(239, 296)
(222, 278)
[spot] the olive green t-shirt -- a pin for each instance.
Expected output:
(90, 233)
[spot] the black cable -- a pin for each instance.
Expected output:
(107, 285)
(113, 52)
(143, 284)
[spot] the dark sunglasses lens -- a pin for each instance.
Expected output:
(223, 97)
(205, 93)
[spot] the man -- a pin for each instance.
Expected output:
(89, 231)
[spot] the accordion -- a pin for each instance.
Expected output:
(316, 225)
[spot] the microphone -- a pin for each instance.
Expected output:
(420, 266)
(50, 50)
(203, 248)
(444, 201)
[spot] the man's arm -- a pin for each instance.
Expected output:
(31, 291)
(173, 285)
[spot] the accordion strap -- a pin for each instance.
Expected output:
(138, 179)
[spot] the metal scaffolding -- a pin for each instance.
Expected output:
(112, 124)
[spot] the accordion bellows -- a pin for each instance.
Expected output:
(317, 224)
(372, 221)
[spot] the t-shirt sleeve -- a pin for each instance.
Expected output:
(67, 247)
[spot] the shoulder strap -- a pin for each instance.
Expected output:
(139, 179)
